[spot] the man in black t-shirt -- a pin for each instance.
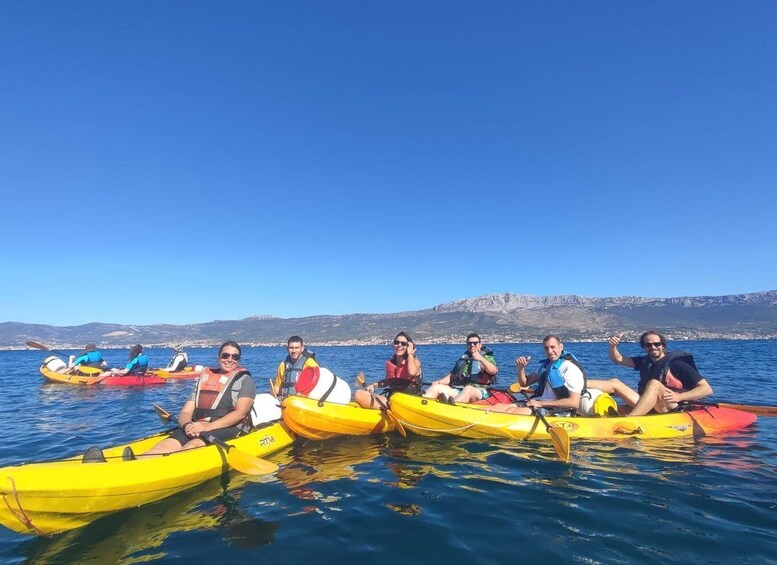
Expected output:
(665, 378)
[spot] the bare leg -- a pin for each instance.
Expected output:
(510, 409)
(618, 388)
(468, 394)
(167, 445)
(652, 399)
(434, 390)
(370, 401)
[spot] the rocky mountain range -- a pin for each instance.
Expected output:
(496, 317)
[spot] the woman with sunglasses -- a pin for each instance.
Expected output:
(403, 374)
(219, 405)
(666, 378)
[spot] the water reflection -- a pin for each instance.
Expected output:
(137, 534)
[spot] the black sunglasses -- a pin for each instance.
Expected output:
(402, 343)
(471, 343)
(235, 356)
(651, 344)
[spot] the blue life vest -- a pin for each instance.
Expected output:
(90, 359)
(550, 374)
(138, 365)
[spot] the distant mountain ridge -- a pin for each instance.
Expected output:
(496, 317)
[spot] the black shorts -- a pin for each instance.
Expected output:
(222, 433)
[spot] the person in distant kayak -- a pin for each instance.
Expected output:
(289, 369)
(470, 377)
(178, 361)
(219, 405)
(666, 378)
(560, 379)
(403, 374)
(137, 364)
(89, 357)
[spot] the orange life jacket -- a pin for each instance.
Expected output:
(210, 389)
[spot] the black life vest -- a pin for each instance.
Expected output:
(665, 376)
(294, 368)
(463, 372)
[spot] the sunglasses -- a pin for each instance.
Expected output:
(400, 343)
(472, 343)
(225, 356)
(651, 344)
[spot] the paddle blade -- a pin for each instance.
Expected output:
(397, 424)
(160, 373)
(163, 414)
(560, 440)
(517, 388)
(242, 461)
(89, 370)
(36, 345)
(273, 388)
(248, 464)
(360, 379)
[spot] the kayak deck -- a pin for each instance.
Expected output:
(306, 418)
(428, 417)
(50, 497)
(115, 380)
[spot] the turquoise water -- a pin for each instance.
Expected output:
(389, 498)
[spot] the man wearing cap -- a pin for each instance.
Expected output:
(90, 357)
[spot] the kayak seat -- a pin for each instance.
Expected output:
(93, 455)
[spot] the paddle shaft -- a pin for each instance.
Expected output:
(36, 345)
(770, 411)
(241, 461)
(505, 390)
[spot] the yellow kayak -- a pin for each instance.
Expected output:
(50, 497)
(429, 417)
(306, 418)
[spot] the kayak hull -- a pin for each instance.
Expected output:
(429, 417)
(51, 497)
(133, 380)
(116, 380)
(307, 419)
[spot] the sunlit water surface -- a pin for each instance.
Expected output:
(388, 498)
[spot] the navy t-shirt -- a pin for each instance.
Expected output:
(681, 370)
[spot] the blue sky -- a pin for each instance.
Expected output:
(180, 162)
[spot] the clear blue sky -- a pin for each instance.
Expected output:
(186, 161)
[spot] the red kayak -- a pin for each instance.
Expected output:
(54, 370)
(133, 380)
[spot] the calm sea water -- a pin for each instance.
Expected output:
(388, 498)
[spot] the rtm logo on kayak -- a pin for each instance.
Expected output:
(266, 440)
(569, 426)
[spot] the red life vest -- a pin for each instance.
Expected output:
(210, 389)
(398, 377)
(394, 371)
